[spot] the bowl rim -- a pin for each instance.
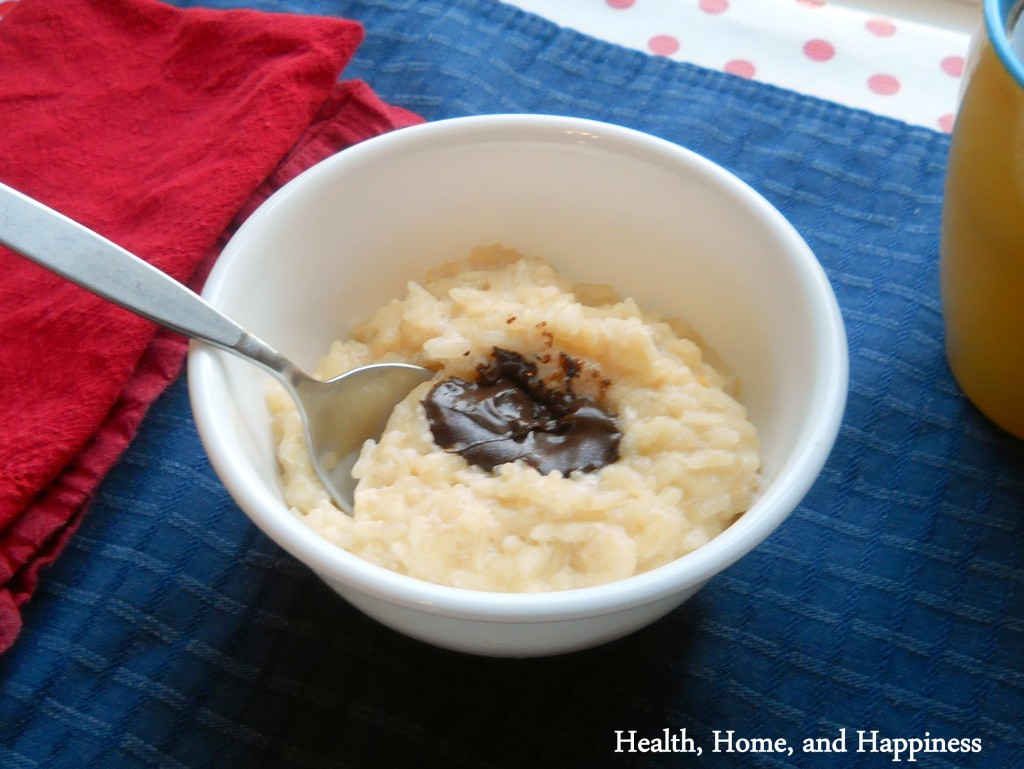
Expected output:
(770, 509)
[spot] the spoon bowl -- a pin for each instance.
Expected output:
(341, 413)
(338, 415)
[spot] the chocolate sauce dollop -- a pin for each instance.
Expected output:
(508, 413)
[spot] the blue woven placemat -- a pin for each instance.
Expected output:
(171, 633)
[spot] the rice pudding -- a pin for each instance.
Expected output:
(685, 463)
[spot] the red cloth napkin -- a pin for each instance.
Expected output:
(160, 128)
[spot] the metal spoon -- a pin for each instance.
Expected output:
(338, 415)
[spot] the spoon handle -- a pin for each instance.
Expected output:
(65, 247)
(75, 252)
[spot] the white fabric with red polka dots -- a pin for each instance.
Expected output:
(899, 58)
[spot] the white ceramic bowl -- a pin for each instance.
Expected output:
(603, 203)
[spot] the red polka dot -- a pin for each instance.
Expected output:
(819, 50)
(741, 68)
(881, 27)
(953, 66)
(620, 3)
(714, 6)
(946, 123)
(663, 45)
(884, 85)
(811, 3)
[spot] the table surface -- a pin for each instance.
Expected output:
(899, 58)
(889, 606)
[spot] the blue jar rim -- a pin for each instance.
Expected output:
(997, 22)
